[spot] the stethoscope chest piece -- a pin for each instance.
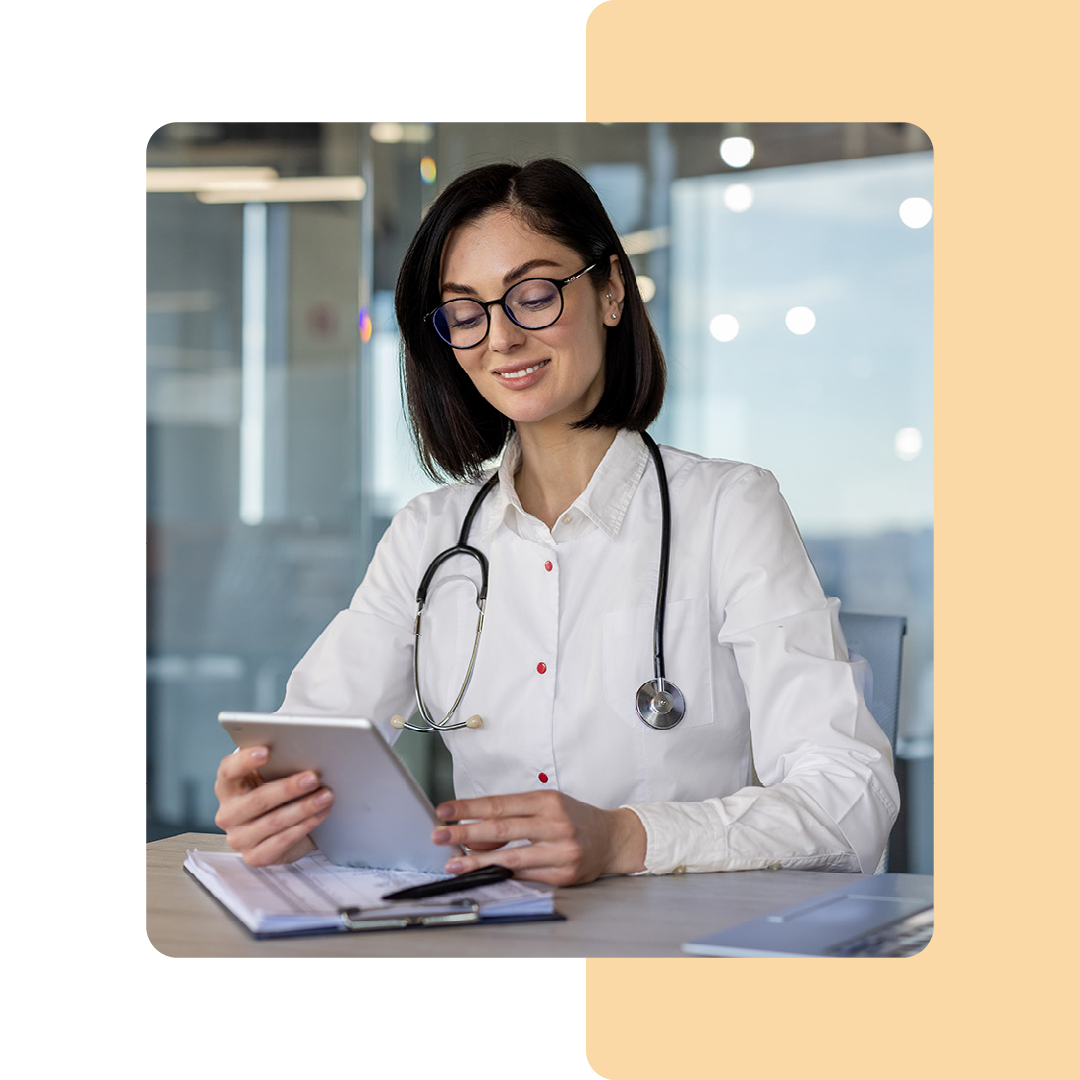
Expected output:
(660, 704)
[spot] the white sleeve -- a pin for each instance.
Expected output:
(829, 794)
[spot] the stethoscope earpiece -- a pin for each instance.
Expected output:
(398, 721)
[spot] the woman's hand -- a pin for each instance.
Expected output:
(267, 821)
(571, 842)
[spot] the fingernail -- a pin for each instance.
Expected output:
(446, 810)
(323, 798)
(454, 866)
(441, 836)
(308, 780)
(260, 753)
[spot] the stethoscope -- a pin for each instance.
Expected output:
(659, 702)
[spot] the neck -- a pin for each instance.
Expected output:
(557, 467)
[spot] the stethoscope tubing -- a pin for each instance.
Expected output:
(665, 558)
(660, 704)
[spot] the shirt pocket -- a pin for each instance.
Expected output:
(627, 658)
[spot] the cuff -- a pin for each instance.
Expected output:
(670, 833)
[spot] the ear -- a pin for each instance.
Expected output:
(614, 293)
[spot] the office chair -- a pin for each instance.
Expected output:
(879, 639)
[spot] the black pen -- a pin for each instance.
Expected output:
(487, 875)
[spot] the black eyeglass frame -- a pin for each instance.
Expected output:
(559, 284)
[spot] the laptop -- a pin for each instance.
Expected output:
(874, 915)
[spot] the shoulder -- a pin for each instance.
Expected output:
(429, 509)
(425, 525)
(734, 501)
(692, 475)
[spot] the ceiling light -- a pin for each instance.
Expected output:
(292, 189)
(197, 179)
(396, 133)
(645, 240)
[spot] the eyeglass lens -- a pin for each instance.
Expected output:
(533, 304)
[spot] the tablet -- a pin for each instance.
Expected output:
(380, 818)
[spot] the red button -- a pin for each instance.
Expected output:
(542, 777)
(547, 566)
(541, 667)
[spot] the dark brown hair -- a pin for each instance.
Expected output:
(455, 429)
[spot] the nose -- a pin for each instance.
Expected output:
(504, 334)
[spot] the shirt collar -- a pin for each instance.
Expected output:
(604, 501)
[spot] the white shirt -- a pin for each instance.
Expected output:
(750, 638)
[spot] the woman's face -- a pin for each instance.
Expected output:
(554, 375)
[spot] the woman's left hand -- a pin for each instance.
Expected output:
(570, 842)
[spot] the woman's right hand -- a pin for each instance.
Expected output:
(267, 821)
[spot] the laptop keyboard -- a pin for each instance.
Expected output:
(903, 938)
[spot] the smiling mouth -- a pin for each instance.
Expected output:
(522, 372)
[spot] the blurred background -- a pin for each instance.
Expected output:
(788, 269)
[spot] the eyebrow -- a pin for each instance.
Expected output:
(518, 272)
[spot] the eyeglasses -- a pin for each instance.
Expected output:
(532, 304)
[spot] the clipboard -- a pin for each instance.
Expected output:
(249, 893)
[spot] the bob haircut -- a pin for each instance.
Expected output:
(456, 431)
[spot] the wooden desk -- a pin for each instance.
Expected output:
(615, 916)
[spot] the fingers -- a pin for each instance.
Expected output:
(244, 806)
(238, 772)
(285, 846)
(552, 823)
(277, 805)
(547, 863)
(525, 803)
(267, 820)
(529, 815)
(265, 835)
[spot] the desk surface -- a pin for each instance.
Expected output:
(615, 916)
(165, 913)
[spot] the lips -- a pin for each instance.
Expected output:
(521, 375)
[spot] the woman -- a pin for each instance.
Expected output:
(525, 334)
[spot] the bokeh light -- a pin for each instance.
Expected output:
(916, 212)
(724, 327)
(738, 197)
(800, 320)
(736, 151)
(427, 170)
(908, 443)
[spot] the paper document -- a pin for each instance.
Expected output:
(309, 895)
